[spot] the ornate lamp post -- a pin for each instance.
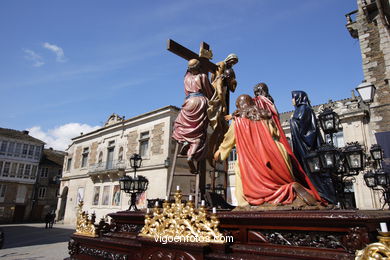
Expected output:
(135, 185)
(329, 122)
(313, 162)
(370, 180)
(378, 179)
(377, 154)
(327, 154)
(354, 154)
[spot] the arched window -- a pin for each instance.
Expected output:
(120, 154)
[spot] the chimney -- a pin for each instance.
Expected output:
(25, 132)
(353, 94)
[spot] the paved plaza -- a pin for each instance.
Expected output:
(33, 241)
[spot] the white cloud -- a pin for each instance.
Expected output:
(60, 137)
(58, 51)
(31, 55)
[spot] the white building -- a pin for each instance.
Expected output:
(95, 161)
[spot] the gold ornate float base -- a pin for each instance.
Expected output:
(182, 222)
(85, 225)
(288, 234)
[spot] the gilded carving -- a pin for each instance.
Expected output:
(378, 250)
(101, 253)
(85, 226)
(182, 220)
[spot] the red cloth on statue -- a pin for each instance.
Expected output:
(300, 174)
(192, 122)
(264, 172)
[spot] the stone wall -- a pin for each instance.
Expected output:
(375, 49)
(157, 139)
(93, 153)
(132, 143)
(77, 157)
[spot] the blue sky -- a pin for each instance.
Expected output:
(67, 65)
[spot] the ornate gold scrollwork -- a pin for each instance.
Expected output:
(182, 221)
(378, 250)
(85, 226)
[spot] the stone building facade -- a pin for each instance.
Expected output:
(370, 25)
(47, 185)
(20, 154)
(95, 161)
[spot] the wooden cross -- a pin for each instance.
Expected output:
(206, 64)
(204, 57)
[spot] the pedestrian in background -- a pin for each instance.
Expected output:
(52, 219)
(47, 220)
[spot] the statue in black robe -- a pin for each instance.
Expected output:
(306, 137)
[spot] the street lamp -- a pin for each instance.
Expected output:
(313, 162)
(354, 154)
(135, 162)
(327, 154)
(328, 120)
(382, 178)
(377, 154)
(370, 180)
(366, 91)
(135, 185)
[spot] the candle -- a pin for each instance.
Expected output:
(156, 204)
(203, 203)
(148, 211)
(214, 210)
(177, 187)
(383, 227)
(190, 198)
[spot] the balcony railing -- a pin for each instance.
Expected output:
(107, 166)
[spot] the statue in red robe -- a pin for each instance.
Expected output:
(264, 174)
(265, 101)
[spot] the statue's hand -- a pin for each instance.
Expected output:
(228, 117)
(216, 155)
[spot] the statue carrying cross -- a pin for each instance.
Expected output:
(190, 128)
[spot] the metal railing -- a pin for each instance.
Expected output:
(107, 166)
